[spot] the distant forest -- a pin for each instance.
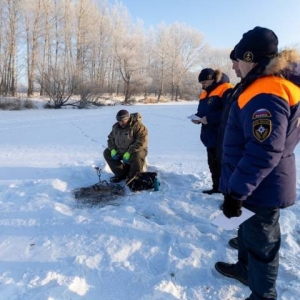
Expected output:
(61, 48)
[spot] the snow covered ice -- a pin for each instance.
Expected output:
(144, 246)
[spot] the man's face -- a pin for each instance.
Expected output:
(245, 67)
(123, 123)
(206, 83)
(235, 67)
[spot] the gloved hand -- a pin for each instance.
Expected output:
(232, 207)
(126, 157)
(114, 154)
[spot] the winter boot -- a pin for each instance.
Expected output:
(234, 243)
(116, 179)
(212, 191)
(228, 270)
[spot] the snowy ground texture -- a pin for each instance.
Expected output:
(144, 246)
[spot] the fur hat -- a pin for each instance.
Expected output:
(206, 74)
(122, 115)
(256, 44)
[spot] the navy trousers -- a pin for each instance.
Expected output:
(259, 240)
(214, 164)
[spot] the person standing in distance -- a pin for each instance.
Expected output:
(214, 85)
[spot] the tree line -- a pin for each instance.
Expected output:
(88, 48)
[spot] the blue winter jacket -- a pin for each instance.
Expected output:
(258, 163)
(210, 106)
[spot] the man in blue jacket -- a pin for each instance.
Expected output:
(229, 98)
(215, 85)
(258, 162)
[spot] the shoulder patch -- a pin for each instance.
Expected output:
(262, 129)
(210, 100)
(261, 113)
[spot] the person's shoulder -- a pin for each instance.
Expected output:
(137, 123)
(115, 126)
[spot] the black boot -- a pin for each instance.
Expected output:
(212, 191)
(116, 179)
(234, 243)
(228, 270)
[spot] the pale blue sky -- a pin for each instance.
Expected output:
(223, 22)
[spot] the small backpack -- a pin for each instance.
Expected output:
(144, 181)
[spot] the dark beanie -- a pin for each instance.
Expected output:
(257, 44)
(123, 115)
(206, 74)
(232, 54)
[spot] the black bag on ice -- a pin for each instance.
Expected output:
(144, 181)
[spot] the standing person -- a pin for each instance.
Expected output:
(230, 98)
(214, 85)
(127, 146)
(258, 166)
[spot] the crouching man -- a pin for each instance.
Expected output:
(127, 146)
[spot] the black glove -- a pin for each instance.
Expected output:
(232, 207)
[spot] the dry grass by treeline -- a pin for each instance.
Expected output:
(150, 100)
(16, 104)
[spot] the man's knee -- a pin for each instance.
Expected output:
(106, 153)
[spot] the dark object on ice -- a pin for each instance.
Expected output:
(105, 192)
(143, 181)
(212, 191)
(234, 243)
(228, 270)
(116, 179)
(102, 192)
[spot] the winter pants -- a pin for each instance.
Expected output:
(214, 164)
(258, 258)
(134, 165)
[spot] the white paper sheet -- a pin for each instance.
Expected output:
(232, 223)
(194, 117)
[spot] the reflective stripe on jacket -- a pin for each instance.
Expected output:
(210, 106)
(258, 163)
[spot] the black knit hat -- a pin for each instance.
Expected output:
(232, 54)
(122, 115)
(257, 44)
(206, 74)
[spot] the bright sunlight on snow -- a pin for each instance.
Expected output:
(142, 246)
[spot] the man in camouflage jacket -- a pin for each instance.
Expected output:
(127, 146)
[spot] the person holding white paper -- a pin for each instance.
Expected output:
(214, 84)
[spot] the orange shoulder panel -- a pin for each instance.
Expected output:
(277, 86)
(221, 89)
(203, 95)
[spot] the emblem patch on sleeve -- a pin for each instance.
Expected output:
(262, 129)
(261, 113)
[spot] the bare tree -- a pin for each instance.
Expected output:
(161, 63)
(99, 45)
(128, 50)
(186, 45)
(59, 86)
(9, 13)
(32, 14)
(219, 59)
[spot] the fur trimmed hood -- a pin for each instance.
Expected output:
(220, 77)
(286, 64)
